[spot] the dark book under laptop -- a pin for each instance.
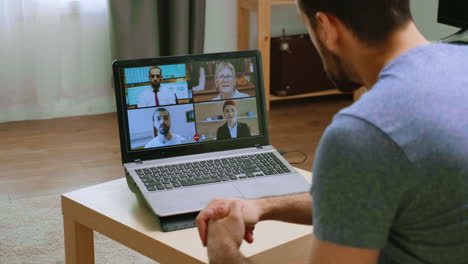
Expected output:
(193, 128)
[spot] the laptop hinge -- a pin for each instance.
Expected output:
(138, 161)
(258, 146)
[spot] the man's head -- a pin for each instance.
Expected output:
(162, 121)
(370, 22)
(155, 77)
(225, 77)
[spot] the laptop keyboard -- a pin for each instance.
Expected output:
(211, 171)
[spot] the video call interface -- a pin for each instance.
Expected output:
(191, 103)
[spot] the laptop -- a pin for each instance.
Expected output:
(193, 128)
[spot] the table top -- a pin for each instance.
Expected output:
(113, 210)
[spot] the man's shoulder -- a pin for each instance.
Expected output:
(423, 58)
(356, 160)
(145, 94)
(177, 139)
(146, 91)
(412, 90)
(424, 70)
(349, 127)
(165, 92)
(164, 89)
(152, 143)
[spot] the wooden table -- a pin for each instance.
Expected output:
(114, 211)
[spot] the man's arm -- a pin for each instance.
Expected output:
(296, 208)
(321, 253)
(225, 237)
(324, 252)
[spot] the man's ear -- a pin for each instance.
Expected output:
(327, 30)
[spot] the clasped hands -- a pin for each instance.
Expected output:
(226, 222)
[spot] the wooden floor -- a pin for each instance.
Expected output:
(54, 156)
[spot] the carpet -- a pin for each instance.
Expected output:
(31, 231)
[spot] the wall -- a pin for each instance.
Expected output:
(220, 26)
(425, 17)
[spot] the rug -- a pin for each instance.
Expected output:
(31, 232)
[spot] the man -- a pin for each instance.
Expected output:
(391, 171)
(162, 123)
(154, 96)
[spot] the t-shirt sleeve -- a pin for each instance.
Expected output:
(358, 181)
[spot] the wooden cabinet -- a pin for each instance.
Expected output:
(263, 9)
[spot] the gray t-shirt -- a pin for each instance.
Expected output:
(391, 171)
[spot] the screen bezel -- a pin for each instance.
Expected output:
(129, 155)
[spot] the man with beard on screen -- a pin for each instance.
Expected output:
(162, 123)
(390, 175)
(154, 96)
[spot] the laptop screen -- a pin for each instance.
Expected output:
(170, 103)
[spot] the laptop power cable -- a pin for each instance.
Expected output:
(283, 153)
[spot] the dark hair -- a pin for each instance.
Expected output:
(372, 21)
(161, 109)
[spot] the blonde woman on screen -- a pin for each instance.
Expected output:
(225, 82)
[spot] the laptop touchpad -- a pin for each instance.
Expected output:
(273, 186)
(191, 199)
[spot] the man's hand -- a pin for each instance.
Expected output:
(220, 208)
(225, 236)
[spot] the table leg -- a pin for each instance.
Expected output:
(79, 242)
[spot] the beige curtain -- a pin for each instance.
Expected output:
(55, 59)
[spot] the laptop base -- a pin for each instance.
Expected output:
(177, 222)
(167, 223)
